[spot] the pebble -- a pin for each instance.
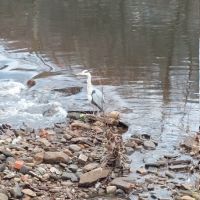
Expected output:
(74, 147)
(111, 189)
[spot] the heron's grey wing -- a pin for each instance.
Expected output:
(97, 98)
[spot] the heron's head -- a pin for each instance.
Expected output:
(84, 73)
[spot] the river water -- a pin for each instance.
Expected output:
(143, 54)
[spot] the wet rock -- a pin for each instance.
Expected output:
(170, 174)
(3, 196)
(74, 147)
(179, 167)
(16, 191)
(90, 166)
(120, 192)
(82, 159)
(29, 192)
(149, 145)
(93, 176)
(69, 176)
(129, 150)
(142, 171)
(122, 183)
(73, 167)
(56, 157)
(187, 198)
(111, 189)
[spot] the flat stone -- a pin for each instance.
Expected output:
(82, 158)
(69, 176)
(111, 189)
(187, 198)
(142, 171)
(90, 166)
(122, 183)
(3, 196)
(179, 167)
(29, 192)
(56, 157)
(149, 145)
(74, 147)
(93, 176)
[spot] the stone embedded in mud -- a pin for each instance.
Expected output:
(122, 183)
(93, 176)
(56, 157)
(90, 166)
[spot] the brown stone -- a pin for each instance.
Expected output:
(56, 157)
(93, 176)
(122, 183)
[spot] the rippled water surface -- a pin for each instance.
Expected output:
(143, 54)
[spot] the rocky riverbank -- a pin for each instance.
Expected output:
(82, 159)
(86, 158)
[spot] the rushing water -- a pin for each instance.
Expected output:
(143, 54)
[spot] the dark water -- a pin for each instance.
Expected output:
(143, 52)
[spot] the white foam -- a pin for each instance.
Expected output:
(10, 87)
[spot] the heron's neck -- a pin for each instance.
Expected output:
(89, 82)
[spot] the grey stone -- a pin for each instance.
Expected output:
(69, 176)
(73, 167)
(74, 147)
(16, 192)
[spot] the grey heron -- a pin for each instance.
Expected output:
(95, 96)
